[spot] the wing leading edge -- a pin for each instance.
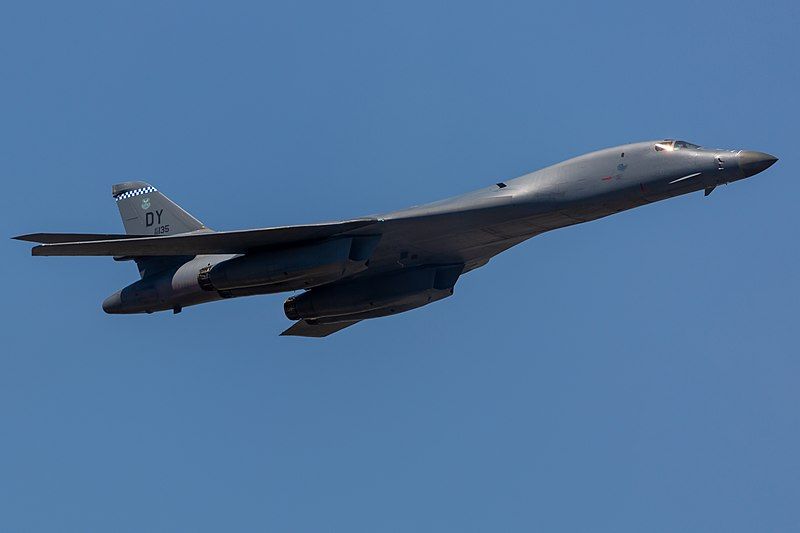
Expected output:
(194, 243)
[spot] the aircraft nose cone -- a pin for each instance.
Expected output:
(113, 303)
(752, 162)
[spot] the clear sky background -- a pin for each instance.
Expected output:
(638, 373)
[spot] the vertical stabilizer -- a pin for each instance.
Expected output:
(145, 211)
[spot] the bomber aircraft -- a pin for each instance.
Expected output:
(385, 264)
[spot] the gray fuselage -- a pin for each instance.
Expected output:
(473, 227)
(470, 229)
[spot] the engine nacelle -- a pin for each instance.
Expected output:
(292, 268)
(172, 288)
(375, 296)
(224, 276)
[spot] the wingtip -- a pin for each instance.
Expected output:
(291, 331)
(303, 328)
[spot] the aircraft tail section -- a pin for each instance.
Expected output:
(146, 211)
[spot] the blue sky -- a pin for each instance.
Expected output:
(638, 373)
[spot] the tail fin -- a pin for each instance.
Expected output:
(145, 211)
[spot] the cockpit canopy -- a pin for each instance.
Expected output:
(669, 145)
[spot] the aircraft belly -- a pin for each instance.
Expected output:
(468, 236)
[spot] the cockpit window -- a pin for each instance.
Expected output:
(669, 145)
(684, 144)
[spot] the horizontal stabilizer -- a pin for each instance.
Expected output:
(199, 242)
(301, 328)
(56, 238)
